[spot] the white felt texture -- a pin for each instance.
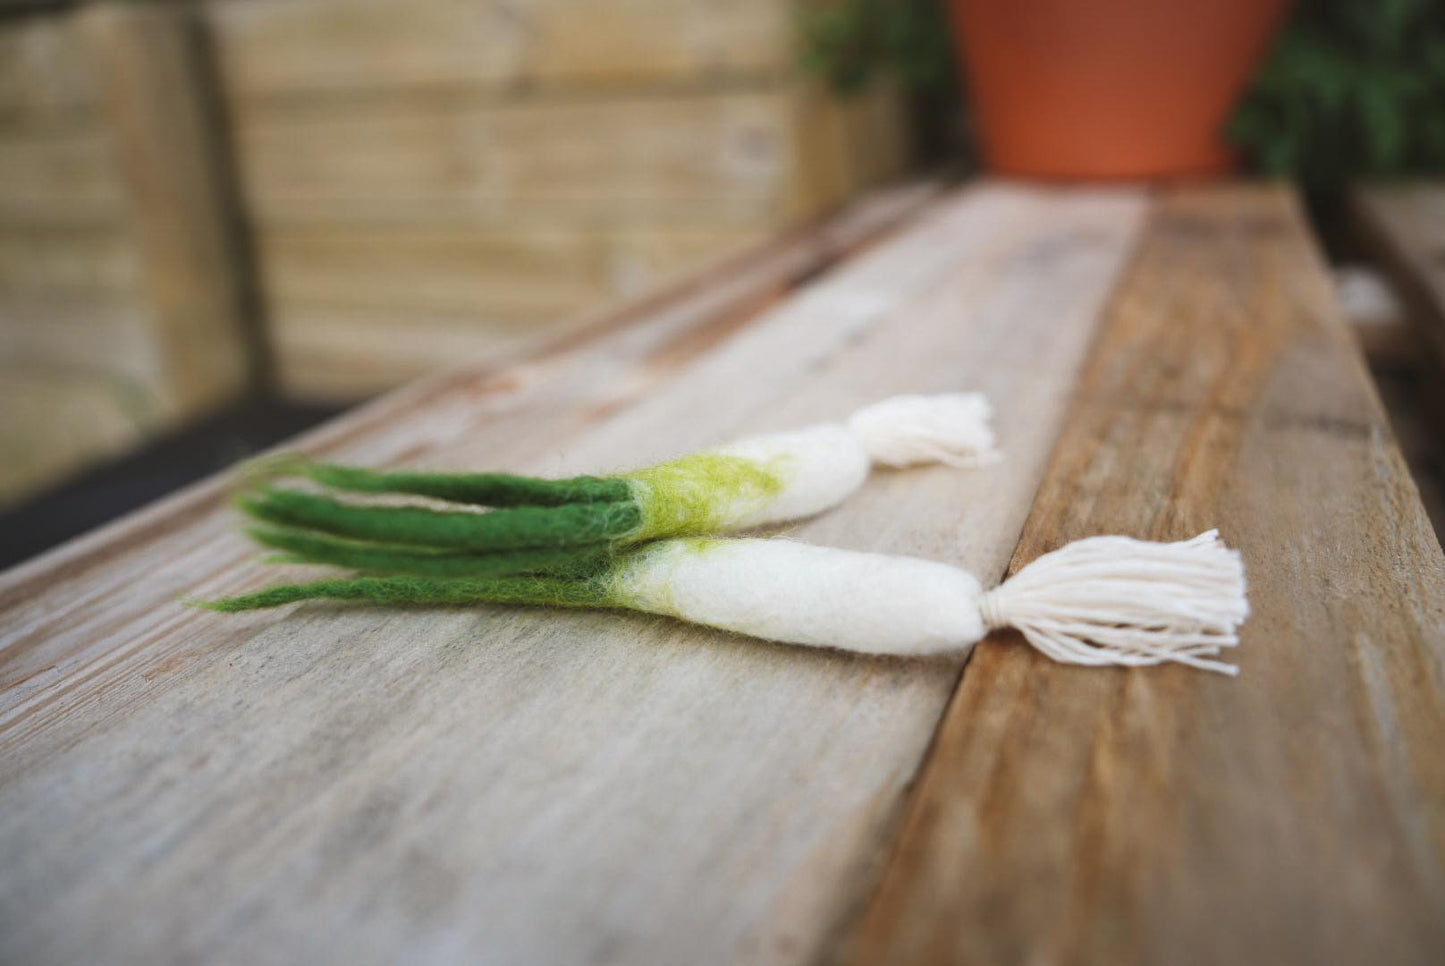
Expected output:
(1098, 601)
(818, 467)
(822, 465)
(951, 428)
(797, 593)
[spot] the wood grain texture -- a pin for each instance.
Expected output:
(1296, 814)
(61, 175)
(280, 49)
(484, 224)
(43, 258)
(356, 310)
(311, 365)
(45, 76)
(522, 786)
(96, 347)
(1405, 227)
(180, 198)
(620, 140)
(722, 152)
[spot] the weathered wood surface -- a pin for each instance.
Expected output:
(518, 786)
(1405, 227)
(315, 361)
(483, 222)
(594, 146)
(1296, 814)
(522, 786)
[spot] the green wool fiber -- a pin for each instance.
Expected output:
(689, 496)
(520, 528)
(481, 489)
(306, 546)
(585, 591)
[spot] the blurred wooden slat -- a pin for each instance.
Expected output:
(1296, 814)
(45, 77)
(182, 208)
(285, 49)
(648, 135)
(714, 151)
(65, 176)
(353, 786)
(481, 268)
(64, 259)
(352, 313)
(1376, 314)
(59, 418)
(477, 227)
(326, 354)
(100, 334)
(1405, 228)
(115, 318)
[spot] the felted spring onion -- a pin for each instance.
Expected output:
(1102, 600)
(766, 479)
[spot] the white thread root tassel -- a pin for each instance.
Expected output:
(952, 428)
(1116, 600)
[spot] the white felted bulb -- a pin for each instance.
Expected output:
(1104, 600)
(952, 428)
(798, 593)
(815, 469)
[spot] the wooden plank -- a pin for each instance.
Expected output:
(351, 314)
(42, 258)
(66, 175)
(326, 354)
(282, 49)
(45, 78)
(715, 155)
(1404, 225)
(58, 420)
(1296, 814)
(104, 336)
(353, 786)
(844, 144)
(156, 100)
(527, 270)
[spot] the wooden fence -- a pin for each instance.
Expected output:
(348, 193)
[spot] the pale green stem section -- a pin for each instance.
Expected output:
(701, 493)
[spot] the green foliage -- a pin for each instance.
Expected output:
(848, 42)
(1353, 87)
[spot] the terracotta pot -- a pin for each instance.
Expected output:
(1109, 89)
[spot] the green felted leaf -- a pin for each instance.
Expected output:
(520, 528)
(481, 489)
(306, 546)
(586, 591)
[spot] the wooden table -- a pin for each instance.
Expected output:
(510, 786)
